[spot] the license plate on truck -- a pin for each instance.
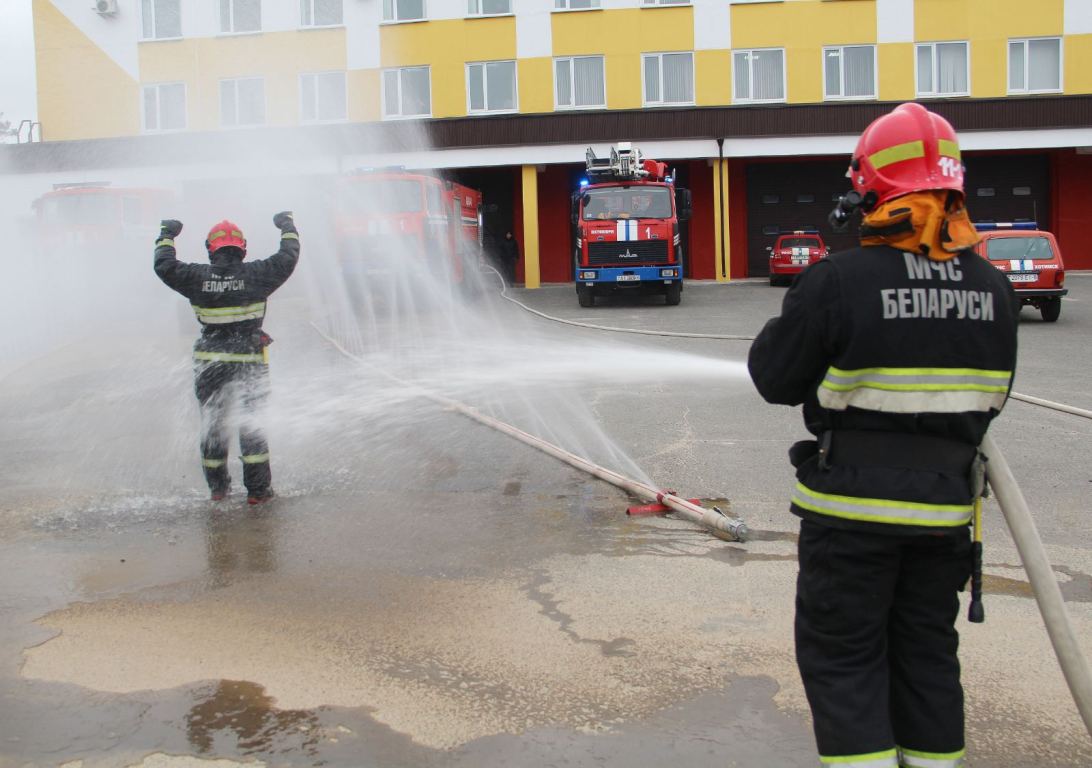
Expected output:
(627, 278)
(1023, 277)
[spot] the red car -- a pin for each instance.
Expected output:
(1032, 261)
(792, 252)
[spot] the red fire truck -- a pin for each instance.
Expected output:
(93, 215)
(383, 216)
(626, 218)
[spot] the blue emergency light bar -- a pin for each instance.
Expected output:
(990, 226)
(798, 232)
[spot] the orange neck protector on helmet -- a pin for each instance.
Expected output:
(933, 223)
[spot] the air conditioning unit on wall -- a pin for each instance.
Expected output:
(105, 7)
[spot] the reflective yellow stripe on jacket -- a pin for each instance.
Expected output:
(886, 759)
(882, 510)
(221, 315)
(914, 390)
(230, 357)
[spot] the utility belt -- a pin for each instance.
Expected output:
(891, 450)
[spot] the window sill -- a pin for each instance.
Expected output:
(942, 96)
(575, 10)
(750, 102)
(871, 97)
(657, 6)
(239, 34)
(1047, 92)
(396, 22)
(581, 108)
(487, 112)
(669, 104)
(161, 39)
(402, 118)
(313, 27)
(488, 15)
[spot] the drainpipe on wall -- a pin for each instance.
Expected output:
(723, 192)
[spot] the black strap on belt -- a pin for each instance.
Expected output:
(896, 450)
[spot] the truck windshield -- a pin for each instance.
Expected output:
(1005, 248)
(627, 203)
(80, 210)
(383, 196)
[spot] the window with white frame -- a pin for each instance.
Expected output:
(849, 72)
(242, 102)
(942, 69)
(758, 75)
(1035, 65)
(240, 16)
(165, 107)
(488, 7)
(321, 13)
(491, 86)
(161, 19)
(665, 2)
(575, 5)
(406, 92)
(668, 78)
(403, 10)
(322, 97)
(579, 82)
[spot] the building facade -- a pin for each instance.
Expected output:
(756, 103)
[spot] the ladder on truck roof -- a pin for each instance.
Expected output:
(625, 162)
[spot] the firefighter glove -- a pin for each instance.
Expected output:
(283, 221)
(170, 227)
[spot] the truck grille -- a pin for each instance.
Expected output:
(633, 252)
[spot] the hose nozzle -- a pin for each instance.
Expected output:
(847, 205)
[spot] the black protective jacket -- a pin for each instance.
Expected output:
(229, 295)
(900, 364)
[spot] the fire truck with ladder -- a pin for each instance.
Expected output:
(626, 218)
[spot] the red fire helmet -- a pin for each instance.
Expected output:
(223, 235)
(910, 149)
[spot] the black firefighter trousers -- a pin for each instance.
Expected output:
(233, 394)
(876, 643)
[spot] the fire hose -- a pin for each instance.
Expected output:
(711, 518)
(1041, 576)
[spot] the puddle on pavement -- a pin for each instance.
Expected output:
(1077, 589)
(236, 716)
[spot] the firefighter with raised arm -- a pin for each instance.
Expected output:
(901, 351)
(231, 357)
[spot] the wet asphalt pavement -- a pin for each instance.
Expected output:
(428, 592)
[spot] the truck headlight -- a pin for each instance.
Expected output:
(669, 273)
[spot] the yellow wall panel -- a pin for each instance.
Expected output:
(989, 67)
(536, 85)
(447, 45)
(624, 81)
(895, 67)
(1077, 64)
(633, 30)
(713, 77)
(803, 24)
(279, 57)
(364, 95)
(986, 19)
(802, 28)
(82, 93)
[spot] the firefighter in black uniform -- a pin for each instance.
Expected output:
(231, 360)
(901, 351)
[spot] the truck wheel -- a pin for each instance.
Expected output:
(673, 294)
(1050, 309)
(585, 296)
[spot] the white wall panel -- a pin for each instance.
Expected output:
(362, 33)
(712, 25)
(1078, 17)
(116, 35)
(895, 21)
(534, 31)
